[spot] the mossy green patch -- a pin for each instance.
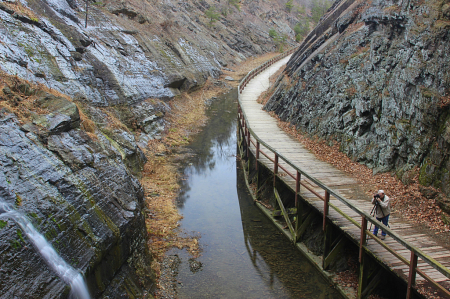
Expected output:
(425, 178)
(100, 214)
(19, 234)
(36, 217)
(3, 224)
(15, 244)
(56, 222)
(113, 143)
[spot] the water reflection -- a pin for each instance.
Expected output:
(215, 144)
(244, 256)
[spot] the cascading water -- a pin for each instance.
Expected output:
(68, 274)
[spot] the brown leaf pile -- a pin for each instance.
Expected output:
(407, 200)
(349, 278)
(429, 292)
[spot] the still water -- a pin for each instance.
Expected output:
(244, 255)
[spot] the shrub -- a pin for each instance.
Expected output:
(212, 14)
(289, 5)
(318, 9)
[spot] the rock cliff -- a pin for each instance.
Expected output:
(78, 192)
(376, 78)
(77, 104)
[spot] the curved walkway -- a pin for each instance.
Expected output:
(266, 128)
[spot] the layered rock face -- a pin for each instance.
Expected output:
(78, 193)
(377, 80)
(69, 159)
(131, 50)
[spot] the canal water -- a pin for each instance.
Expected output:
(243, 254)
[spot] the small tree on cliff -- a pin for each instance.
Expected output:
(289, 5)
(301, 29)
(212, 14)
(280, 40)
(318, 9)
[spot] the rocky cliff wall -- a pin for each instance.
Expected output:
(378, 82)
(78, 193)
(132, 53)
(70, 141)
(131, 50)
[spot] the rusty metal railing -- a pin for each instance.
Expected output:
(248, 134)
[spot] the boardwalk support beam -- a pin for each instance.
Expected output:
(336, 252)
(285, 214)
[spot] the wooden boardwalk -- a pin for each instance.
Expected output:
(266, 129)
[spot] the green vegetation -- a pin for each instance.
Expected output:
(19, 234)
(280, 40)
(212, 14)
(36, 217)
(318, 9)
(301, 30)
(289, 5)
(273, 33)
(301, 10)
(3, 224)
(15, 244)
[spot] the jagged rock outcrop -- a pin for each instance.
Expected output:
(376, 79)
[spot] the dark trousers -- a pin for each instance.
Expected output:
(385, 221)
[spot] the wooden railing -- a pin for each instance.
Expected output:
(281, 162)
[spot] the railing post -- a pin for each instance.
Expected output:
(412, 274)
(297, 188)
(297, 191)
(257, 153)
(325, 208)
(275, 169)
(248, 144)
(362, 240)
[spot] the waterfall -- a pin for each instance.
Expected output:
(68, 274)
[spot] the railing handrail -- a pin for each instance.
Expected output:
(429, 260)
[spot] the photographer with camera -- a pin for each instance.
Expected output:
(382, 210)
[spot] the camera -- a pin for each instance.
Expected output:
(376, 196)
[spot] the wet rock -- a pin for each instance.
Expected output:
(194, 265)
(77, 56)
(63, 116)
(72, 148)
(81, 196)
(132, 155)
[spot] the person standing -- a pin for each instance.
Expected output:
(382, 211)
